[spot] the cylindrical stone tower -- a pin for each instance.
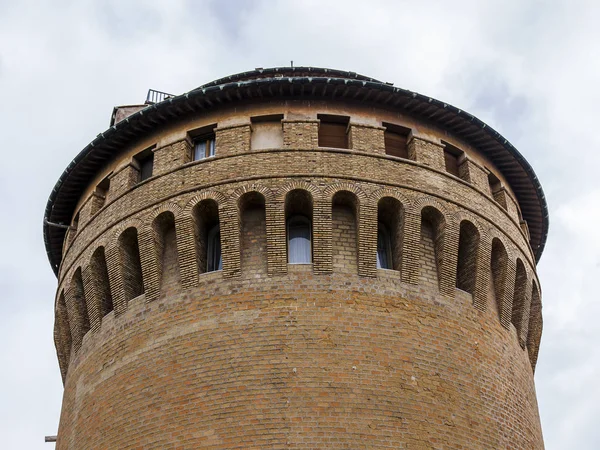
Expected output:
(297, 258)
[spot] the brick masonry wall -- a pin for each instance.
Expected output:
(300, 361)
(263, 354)
(254, 242)
(366, 138)
(300, 133)
(428, 273)
(344, 239)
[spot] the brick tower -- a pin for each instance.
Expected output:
(297, 258)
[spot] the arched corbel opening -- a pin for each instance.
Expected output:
(253, 232)
(131, 266)
(100, 281)
(519, 296)
(298, 219)
(344, 232)
(466, 267)
(390, 225)
(165, 241)
(64, 340)
(80, 310)
(499, 261)
(207, 232)
(433, 226)
(535, 326)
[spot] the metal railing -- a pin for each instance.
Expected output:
(156, 96)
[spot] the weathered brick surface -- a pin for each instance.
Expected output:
(472, 172)
(233, 139)
(300, 133)
(300, 361)
(366, 138)
(426, 152)
(171, 156)
(122, 180)
(156, 352)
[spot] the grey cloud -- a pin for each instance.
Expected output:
(529, 69)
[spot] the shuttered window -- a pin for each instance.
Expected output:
(396, 140)
(451, 158)
(145, 163)
(451, 161)
(333, 131)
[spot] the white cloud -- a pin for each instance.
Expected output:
(529, 69)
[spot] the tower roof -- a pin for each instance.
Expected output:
(294, 83)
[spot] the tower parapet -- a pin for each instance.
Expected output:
(298, 257)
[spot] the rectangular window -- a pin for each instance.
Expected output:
(333, 131)
(204, 143)
(204, 148)
(494, 182)
(451, 159)
(145, 163)
(101, 194)
(396, 140)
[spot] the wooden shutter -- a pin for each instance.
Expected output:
(395, 144)
(451, 161)
(333, 134)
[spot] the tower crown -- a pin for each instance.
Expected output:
(298, 257)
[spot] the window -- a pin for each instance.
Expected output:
(101, 194)
(299, 240)
(214, 260)
(204, 147)
(396, 139)
(494, 182)
(145, 163)
(384, 260)
(204, 143)
(333, 131)
(452, 159)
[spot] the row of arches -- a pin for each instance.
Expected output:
(156, 258)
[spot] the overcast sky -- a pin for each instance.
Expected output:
(530, 69)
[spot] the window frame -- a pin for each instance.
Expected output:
(209, 147)
(214, 254)
(308, 222)
(382, 229)
(144, 163)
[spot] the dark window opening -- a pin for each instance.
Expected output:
(390, 218)
(101, 194)
(145, 161)
(466, 270)
(333, 131)
(75, 223)
(452, 159)
(384, 248)
(495, 183)
(214, 258)
(396, 140)
(207, 233)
